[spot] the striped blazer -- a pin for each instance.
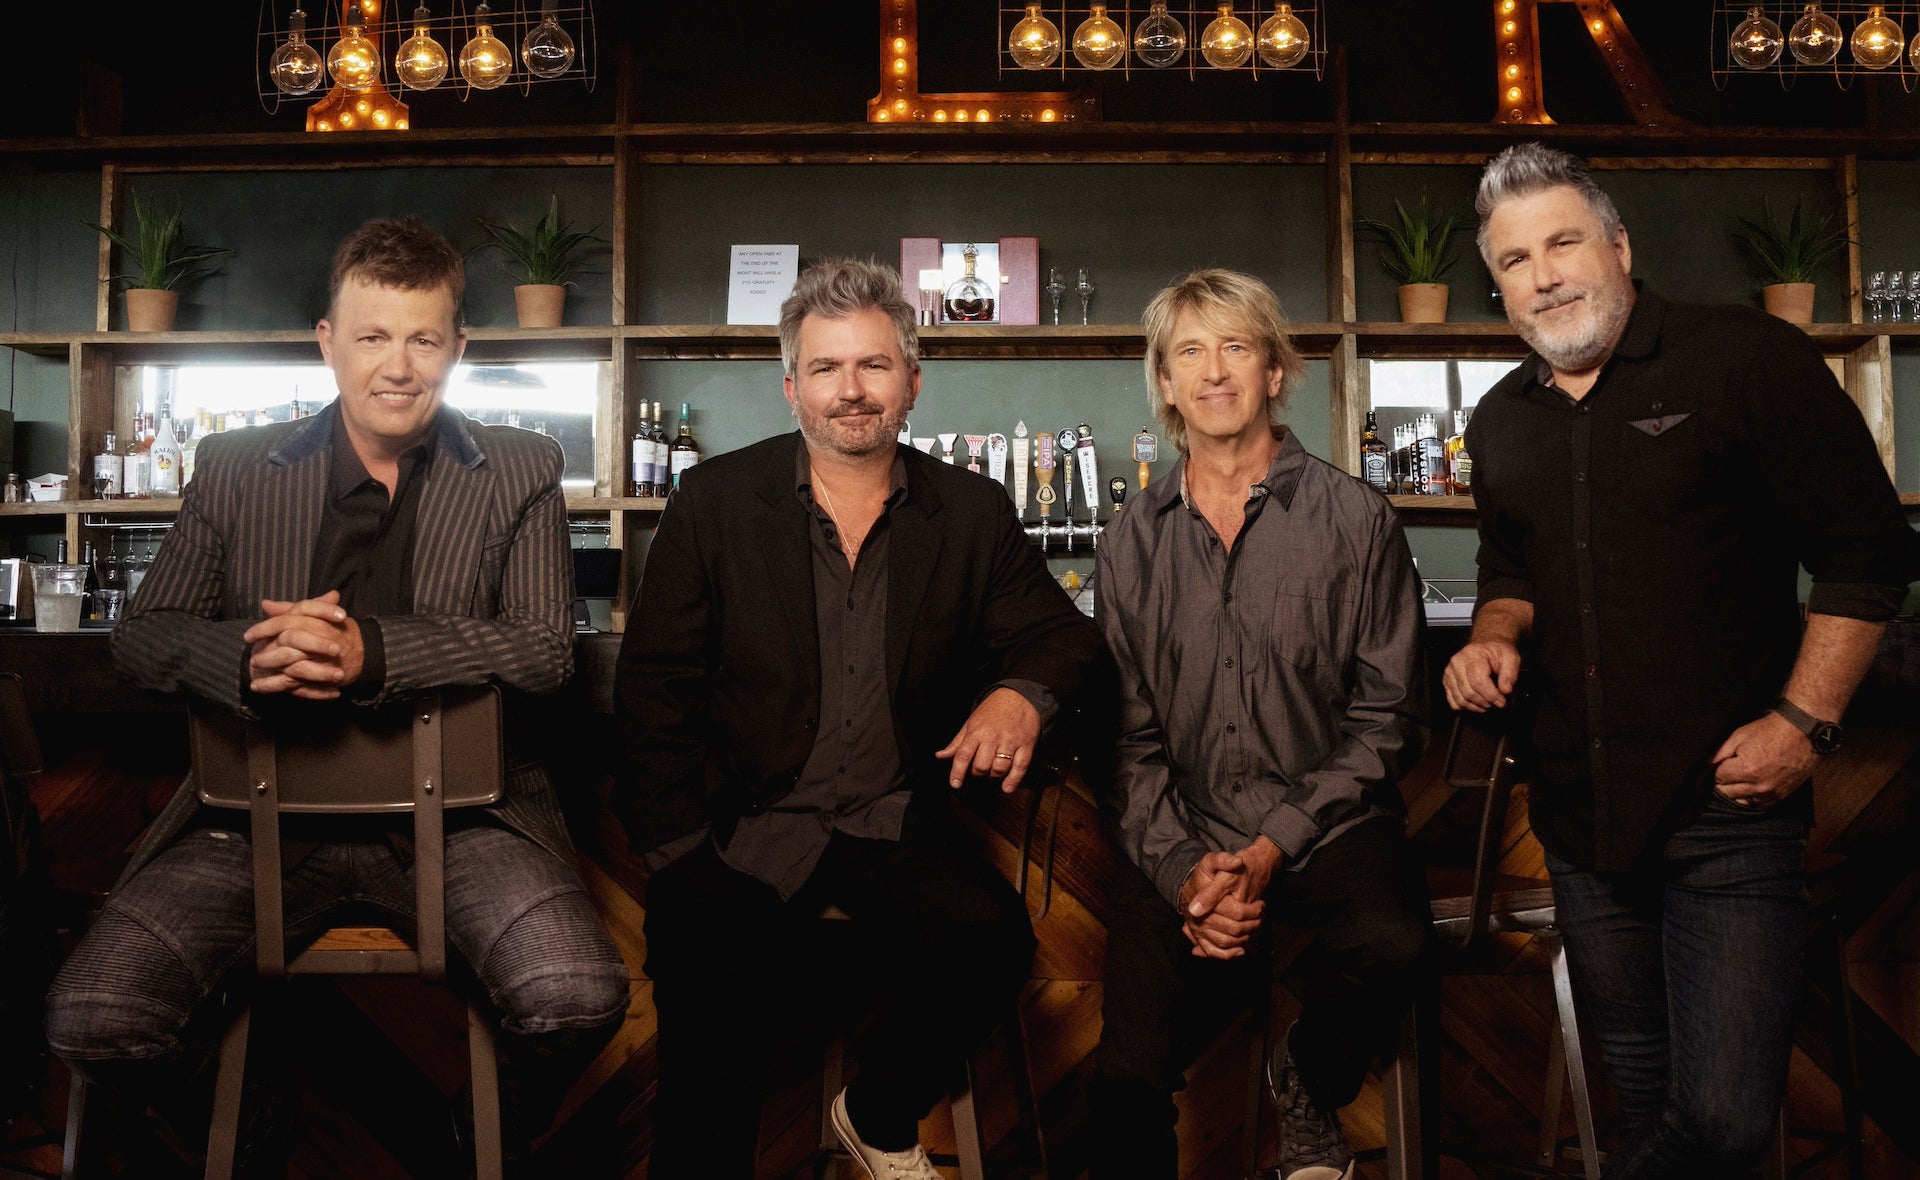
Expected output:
(492, 592)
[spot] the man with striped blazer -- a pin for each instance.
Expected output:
(384, 547)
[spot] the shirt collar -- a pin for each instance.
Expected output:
(346, 474)
(803, 479)
(1280, 482)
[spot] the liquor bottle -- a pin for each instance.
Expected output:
(662, 452)
(645, 454)
(107, 466)
(1459, 466)
(684, 452)
(1373, 454)
(133, 465)
(1432, 458)
(163, 459)
(188, 452)
(969, 298)
(89, 594)
(1398, 460)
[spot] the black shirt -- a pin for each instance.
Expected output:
(1657, 526)
(364, 548)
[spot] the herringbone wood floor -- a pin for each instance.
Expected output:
(383, 1055)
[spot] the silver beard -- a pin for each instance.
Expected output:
(1610, 307)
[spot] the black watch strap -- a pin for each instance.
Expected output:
(1825, 735)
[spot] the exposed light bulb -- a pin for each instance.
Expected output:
(1877, 41)
(1035, 41)
(485, 60)
(1283, 39)
(1815, 37)
(1227, 42)
(1756, 41)
(353, 61)
(296, 67)
(1098, 43)
(1159, 40)
(422, 61)
(547, 50)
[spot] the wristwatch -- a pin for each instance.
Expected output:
(1825, 735)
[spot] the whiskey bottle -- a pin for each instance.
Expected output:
(1459, 466)
(1431, 461)
(133, 467)
(1373, 455)
(662, 451)
(640, 478)
(685, 452)
(189, 452)
(969, 298)
(107, 466)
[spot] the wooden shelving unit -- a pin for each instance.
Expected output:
(1861, 352)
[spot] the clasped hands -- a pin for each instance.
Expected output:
(309, 649)
(1222, 899)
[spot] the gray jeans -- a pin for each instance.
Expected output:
(130, 1007)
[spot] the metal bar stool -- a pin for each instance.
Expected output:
(439, 751)
(1481, 755)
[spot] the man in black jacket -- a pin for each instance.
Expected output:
(837, 631)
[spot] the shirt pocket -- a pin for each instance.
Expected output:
(1669, 462)
(1310, 625)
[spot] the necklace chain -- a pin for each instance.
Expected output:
(826, 498)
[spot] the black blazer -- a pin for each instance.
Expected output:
(718, 682)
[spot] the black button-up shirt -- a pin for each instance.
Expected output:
(1657, 526)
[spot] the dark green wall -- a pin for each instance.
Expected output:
(1134, 227)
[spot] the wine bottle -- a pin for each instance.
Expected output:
(684, 451)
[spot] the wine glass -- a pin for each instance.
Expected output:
(1055, 289)
(1876, 294)
(1896, 296)
(1913, 295)
(1085, 288)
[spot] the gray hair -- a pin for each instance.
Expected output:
(836, 288)
(1528, 168)
(1229, 303)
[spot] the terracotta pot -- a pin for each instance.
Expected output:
(1423, 303)
(1792, 302)
(540, 304)
(151, 311)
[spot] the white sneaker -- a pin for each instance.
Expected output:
(911, 1164)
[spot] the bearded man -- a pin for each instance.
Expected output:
(1649, 483)
(833, 632)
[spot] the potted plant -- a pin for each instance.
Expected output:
(1790, 258)
(159, 259)
(1418, 253)
(542, 258)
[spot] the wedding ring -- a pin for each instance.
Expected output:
(1008, 757)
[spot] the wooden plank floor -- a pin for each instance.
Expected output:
(384, 1055)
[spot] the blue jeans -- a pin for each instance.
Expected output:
(1687, 972)
(134, 1006)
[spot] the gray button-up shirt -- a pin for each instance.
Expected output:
(1276, 690)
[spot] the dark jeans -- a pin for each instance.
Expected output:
(1687, 972)
(131, 1006)
(936, 927)
(1365, 896)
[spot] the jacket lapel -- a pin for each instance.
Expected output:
(451, 528)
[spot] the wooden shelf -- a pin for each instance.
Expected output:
(169, 507)
(585, 503)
